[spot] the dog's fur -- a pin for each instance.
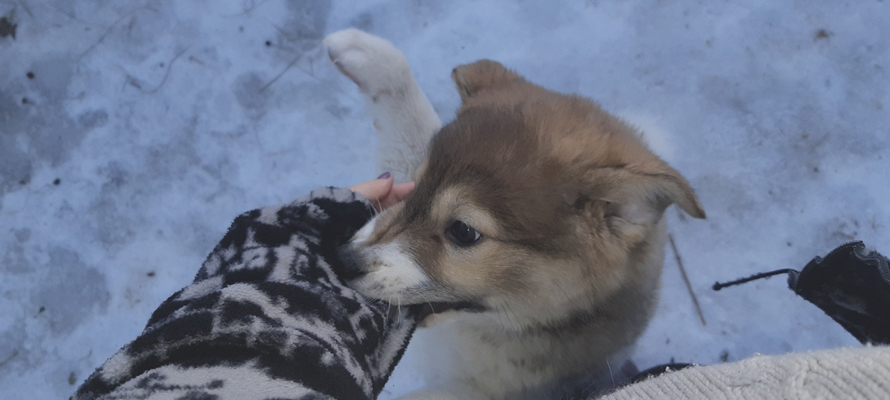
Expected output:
(569, 203)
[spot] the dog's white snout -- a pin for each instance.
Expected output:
(391, 271)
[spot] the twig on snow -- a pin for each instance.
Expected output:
(289, 66)
(248, 10)
(101, 38)
(8, 359)
(686, 279)
(27, 9)
(167, 74)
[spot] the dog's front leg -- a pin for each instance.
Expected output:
(404, 118)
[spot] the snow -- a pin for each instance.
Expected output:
(149, 125)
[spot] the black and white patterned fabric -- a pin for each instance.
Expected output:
(267, 317)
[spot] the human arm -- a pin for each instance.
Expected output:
(267, 316)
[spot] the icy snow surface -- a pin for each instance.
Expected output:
(131, 133)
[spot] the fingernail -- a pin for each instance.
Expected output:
(384, 175)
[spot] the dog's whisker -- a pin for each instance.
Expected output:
(519, 328)
(497, 309)
(508, 326)
(611, 375)
(431, 306)
(590, 302)
(515, 318)
(379, 204)
(561, 289)
(399, 305)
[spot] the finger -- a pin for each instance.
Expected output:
(402, 190)
(371, 190)
(397, 194)
(376, 190)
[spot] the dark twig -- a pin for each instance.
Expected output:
(109, 29)
(101, 38)
(27, 9)
(289, 66)
(686, 279)
(283, 33)
(8, 359)
(167, 74)
(718, 285)
(68, 14)
(247, 10)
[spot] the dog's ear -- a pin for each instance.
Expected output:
(639, 193)
(481, 75)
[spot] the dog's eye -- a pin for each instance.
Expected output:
(462, 234)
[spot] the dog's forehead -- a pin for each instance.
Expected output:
(440, 199)
(481, 137)
(498, 186)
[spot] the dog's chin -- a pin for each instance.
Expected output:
(440, 312)
(444, 307)
(427, 312)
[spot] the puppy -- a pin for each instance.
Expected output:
(537, 222)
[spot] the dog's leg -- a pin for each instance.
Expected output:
(404, 118)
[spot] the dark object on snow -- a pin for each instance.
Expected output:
(851, 284)
(8, 25)
(7, 28)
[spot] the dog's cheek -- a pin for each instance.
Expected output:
(480, 271)
(399, 264)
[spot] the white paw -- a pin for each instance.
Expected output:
(373, 63)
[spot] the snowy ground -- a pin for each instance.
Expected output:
(131, 133)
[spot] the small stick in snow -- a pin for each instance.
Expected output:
(166, 74)
(8, 359)
(101, 38)
(266, 86)
(686, 279)
(27, 9)
(248, 10)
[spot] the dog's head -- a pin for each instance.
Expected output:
(532, 203)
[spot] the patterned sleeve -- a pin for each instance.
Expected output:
(267, 317)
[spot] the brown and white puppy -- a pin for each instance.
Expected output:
(538, 217)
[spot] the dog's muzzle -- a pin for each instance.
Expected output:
(351, 262)
(353, 268)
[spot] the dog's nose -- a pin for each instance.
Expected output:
(350, 263)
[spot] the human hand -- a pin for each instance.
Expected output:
(382, 192)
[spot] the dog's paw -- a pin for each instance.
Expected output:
(373, 63)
